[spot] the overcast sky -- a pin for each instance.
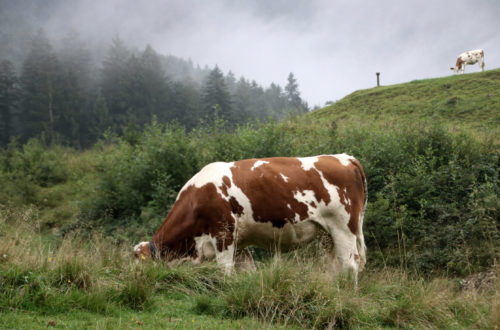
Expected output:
(333, 47)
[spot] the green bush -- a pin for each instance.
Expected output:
(25, 169)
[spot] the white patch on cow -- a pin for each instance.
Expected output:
(344, 159)
(137, 247)
(334, 204)
(307, 162)
(258, 163)
(347, 200)
(211, 173)
(307, 197)
(284, 177)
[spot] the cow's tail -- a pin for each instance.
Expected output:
(360, 239)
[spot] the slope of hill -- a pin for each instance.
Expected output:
(466, 101)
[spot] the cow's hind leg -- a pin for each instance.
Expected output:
(344, 256)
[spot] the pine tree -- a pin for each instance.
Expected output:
(216, 98)
(76, 90)
(293, 95)
(242, 100)
(156, 88)
(9, 97)
(185, 104)
(277, 101)
(40, 80)
(100, 119)
(75, 57)
(115, 83)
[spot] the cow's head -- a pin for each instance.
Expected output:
(458, 65)
(142, 251)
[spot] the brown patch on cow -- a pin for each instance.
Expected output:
(351, 192)
(235, 206)
(226, 183)
(273, 200)
(197, 211)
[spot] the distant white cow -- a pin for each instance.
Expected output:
(470, 57)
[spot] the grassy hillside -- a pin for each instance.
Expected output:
(466, 101)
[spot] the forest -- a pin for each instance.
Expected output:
(67, 96)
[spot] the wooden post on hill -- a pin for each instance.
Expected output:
(378, 79)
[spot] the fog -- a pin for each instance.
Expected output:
(332, 47)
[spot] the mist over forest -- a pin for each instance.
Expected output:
(58, 84)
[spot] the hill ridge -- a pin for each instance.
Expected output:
(470, 100)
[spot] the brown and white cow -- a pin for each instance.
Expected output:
(470, 57)
(269, 203)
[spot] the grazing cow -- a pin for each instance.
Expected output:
(269, 203)
(470, 57)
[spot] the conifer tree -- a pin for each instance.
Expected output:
(40, 82)
(293, 95)
(115, 83)
(9, 97)
(155, 86)
(216, 98)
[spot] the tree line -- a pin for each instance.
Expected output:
(67, 96)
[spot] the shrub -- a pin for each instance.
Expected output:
(24, 169)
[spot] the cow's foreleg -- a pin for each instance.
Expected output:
(225, 259)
